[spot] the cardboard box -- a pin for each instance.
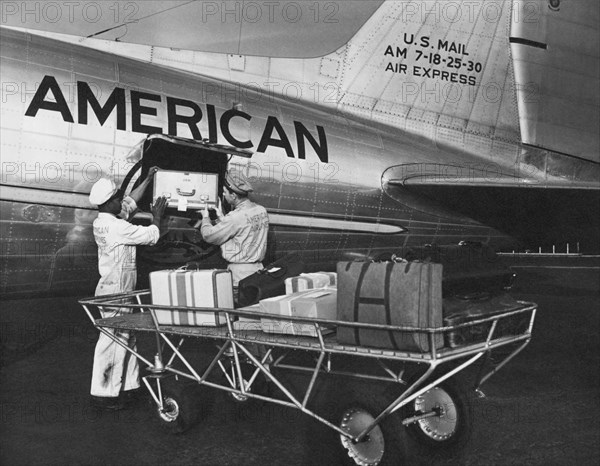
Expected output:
(186, 190)
(191, 288)
(307, 281)
(320, 304)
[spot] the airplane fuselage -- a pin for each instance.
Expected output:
(71, 115)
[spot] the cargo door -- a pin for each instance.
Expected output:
(181, 242)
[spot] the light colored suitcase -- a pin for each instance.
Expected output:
(307, 281)
(186, 190)
(191, 288)
(320, 304)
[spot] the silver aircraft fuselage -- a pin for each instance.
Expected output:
(71, 115)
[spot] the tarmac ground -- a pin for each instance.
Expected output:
(541, 409)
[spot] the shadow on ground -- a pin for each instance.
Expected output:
(541, 409)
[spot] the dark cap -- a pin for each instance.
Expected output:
(237, 182)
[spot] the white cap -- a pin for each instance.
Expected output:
(102, 191)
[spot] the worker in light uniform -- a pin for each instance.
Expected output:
(115, 373)
(242, 233)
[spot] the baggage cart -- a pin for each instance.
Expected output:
(425, 409)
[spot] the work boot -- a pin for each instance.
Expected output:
(107, 403)
(129, 397)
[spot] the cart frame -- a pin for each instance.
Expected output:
(239, 340)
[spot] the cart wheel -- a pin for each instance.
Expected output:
(450, 427)
(386, 443)
(369, 451)
(183, 406)
(353, 404)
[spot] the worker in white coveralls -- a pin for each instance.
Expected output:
(242, 233)
(115, 375)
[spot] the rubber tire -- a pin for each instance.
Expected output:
(331, 400)
(397, 449)
(191, 401)
(460, 408)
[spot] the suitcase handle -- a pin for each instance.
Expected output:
(185, 193)
(476, 296)
(280, 272)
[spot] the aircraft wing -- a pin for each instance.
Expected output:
(275, 29)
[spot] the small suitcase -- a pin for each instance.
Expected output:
(467, 309)
(269, 281)
(186, 190)
(389, 293)
(319, 304)
(307, 281)
(191, 288)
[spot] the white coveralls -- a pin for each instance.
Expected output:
(115, 370)
(242, 235)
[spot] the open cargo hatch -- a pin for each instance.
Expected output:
(181, 242)
(186, 155)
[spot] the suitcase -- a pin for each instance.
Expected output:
(320, 304)
(469, 268)
(404, 294)
(269, 281)
(461, 310)
(307, 281)
(186, 190)
(191, 288)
